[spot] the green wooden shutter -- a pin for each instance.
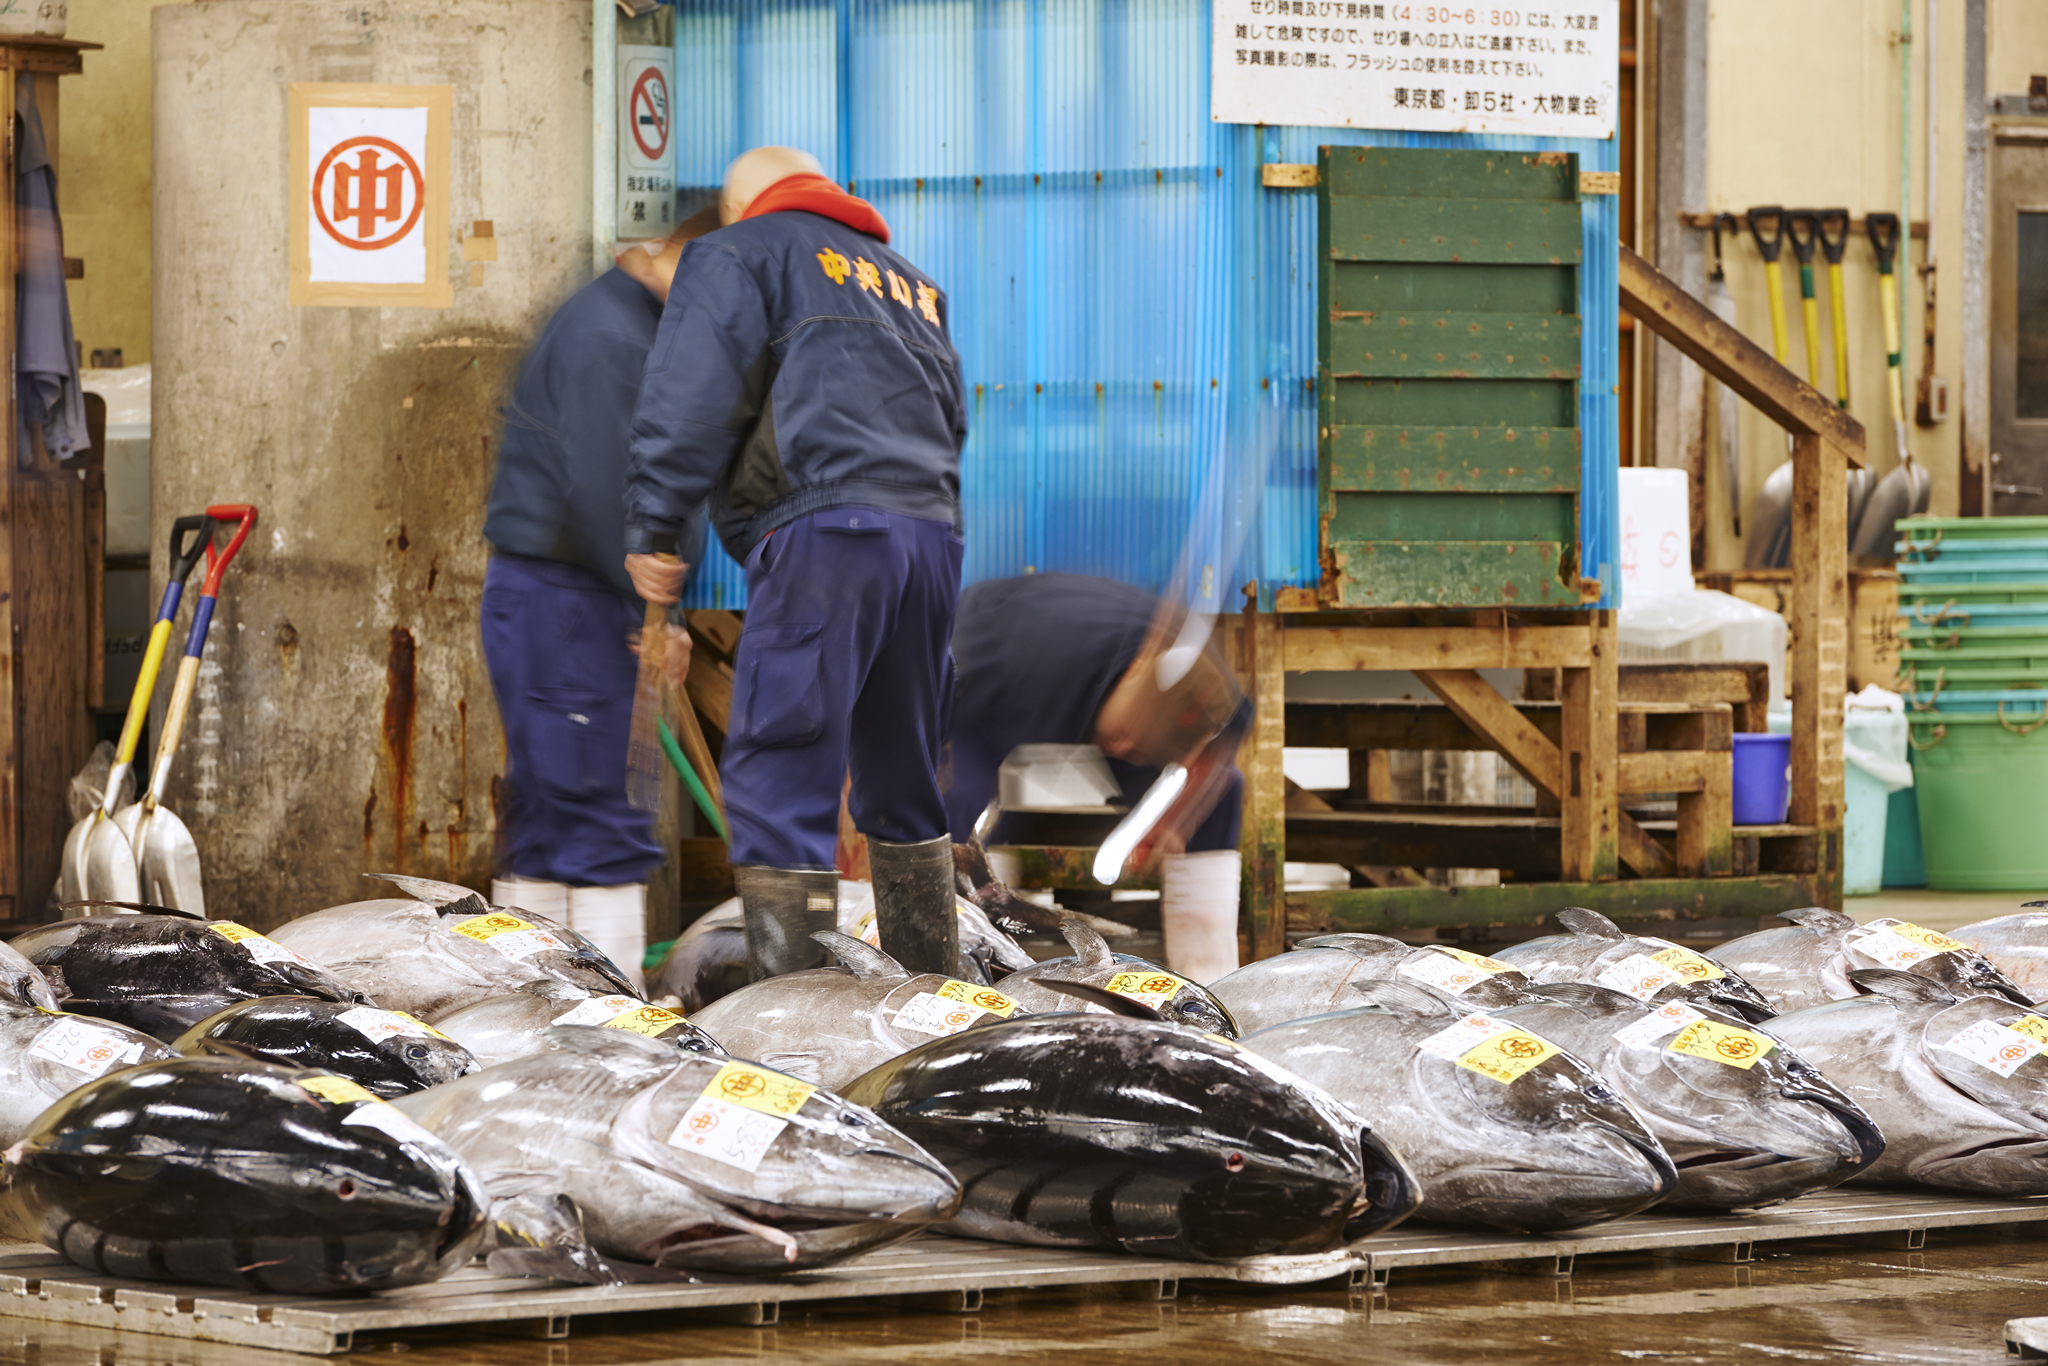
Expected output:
(1448, 347)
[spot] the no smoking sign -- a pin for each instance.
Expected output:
(647, 178)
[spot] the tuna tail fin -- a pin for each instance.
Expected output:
(1819, 918)
(1584, 995)
(867, 961)
(141, 907)
(442, 896)
(1903, 987)
(1589, 924)
(1086, 941)
(1108, 1000)
(1410, 1000)
(542, 1235)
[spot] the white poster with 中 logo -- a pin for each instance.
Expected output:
(647, 145)
(369, 196)
(1541, 67)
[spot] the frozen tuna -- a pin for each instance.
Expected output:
(501, 1028)
(1176, 999)
(212, 1171)
(1957, 1083)
(1316, 978)
(612, 1145)
(45, 1056)
(1502, 1127)
(1594, 949)
(386, 1052)
(1811, 961)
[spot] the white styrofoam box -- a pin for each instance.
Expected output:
(1037, 776)
(1703, 624)
(1317, 770)
(1656, 532)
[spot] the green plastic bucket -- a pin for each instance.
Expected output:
(1981, 785)
(1932, 531)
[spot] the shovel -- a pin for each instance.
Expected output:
(98, 863)
(1803, 227)
(166, 857)
(1832, 225)
(1884, 240)
(1726, 414)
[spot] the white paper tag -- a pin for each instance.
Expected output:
(379, 1025)
(390, 1120)
(598, 1010)
(87, 1048)
(1659, 1025)
(1994, 1046)
(1893, 951)
(935, 1015)
(524, 944)
(723, 1132)
(1464, 1036)
(260, 947)
(1443, 972)
(1639, 975)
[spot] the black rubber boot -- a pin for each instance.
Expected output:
(914, 904)
(782, 907)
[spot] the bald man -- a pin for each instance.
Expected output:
(805, 384)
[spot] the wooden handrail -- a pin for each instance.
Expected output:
(1734, 359)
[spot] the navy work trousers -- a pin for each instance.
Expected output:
(973, 779)
(845, 662)
(555, 640)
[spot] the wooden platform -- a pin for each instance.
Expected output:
(934, 1274)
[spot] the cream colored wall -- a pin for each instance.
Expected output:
(1803, 112)
(2016, 46)
(103, 158)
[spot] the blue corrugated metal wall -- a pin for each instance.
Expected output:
(1135, 313)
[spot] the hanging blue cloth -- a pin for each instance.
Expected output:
(46, 358)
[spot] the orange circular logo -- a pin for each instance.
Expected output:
(1463, 979)
(503, 922)
(1735, 1046)
(991, 1000)
(743, 1084)
(356, 204)
(100, 1052)
(1158, 985)
(1693, 970)
(2012, 1051)
(703, 1123)
(1517, 1046)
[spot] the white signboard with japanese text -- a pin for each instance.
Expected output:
(647, 159)
(1543, 67)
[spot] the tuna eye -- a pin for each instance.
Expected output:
(1233, 1162)
(418, 1050)
(346, 1190)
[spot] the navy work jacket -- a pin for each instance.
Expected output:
(800, 365)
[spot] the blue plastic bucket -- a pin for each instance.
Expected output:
(1763, 778)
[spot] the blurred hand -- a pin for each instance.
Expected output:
(656, 578)
(675, 656)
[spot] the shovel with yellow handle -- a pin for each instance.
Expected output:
(98, 863)
(166, 856)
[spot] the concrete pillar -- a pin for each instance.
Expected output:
(344, 722)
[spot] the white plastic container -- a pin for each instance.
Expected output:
(1038, 777)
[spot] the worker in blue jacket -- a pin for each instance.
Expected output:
(560, 618)
(805, 384)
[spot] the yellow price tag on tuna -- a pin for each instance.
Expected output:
(1475, 960)
(416, 1020)
(2033, 1026)
(756, 1088)
(1492, 1048)
(1925, 938)
(981, 998)
(648, 1020)
(1722, 1043)
(1691, 966)
(1154, 988)
(230, 931)
(335, 1090)
(483, 927)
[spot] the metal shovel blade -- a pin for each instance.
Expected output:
(168, 861)
(71, 873)
(110, 873)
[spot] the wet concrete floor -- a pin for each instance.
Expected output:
(1817, 1302)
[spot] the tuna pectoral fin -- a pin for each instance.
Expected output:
(1819, 918)
(1108, 1000)
(442, 896)
(1410, 999)
(1904, 987)
(866, 961)
(541, 1234)
(1589, 924)
(1087, 943)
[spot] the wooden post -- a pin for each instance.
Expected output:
(1263, 839)
(1590, 725)
(1820, 649)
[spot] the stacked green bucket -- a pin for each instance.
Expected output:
(1973, 618)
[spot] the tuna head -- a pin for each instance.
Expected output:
(1812, 962)
(1923, 1064)
(2017, 946)
(220, 1172)
(1503, 1128)
(829, 1025)
(387, 1052)
(1745, 1119)
(1099, 1131)
(22, 983)
(1594, 949)
(1177, 999)
(688, 1160)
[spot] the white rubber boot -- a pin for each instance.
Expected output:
(1198, 896)
(550, 899)
(614, 919)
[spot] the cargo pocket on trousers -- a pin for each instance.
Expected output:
(566, 746)
(784, 699)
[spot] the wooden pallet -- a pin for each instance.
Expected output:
(930, 1273)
